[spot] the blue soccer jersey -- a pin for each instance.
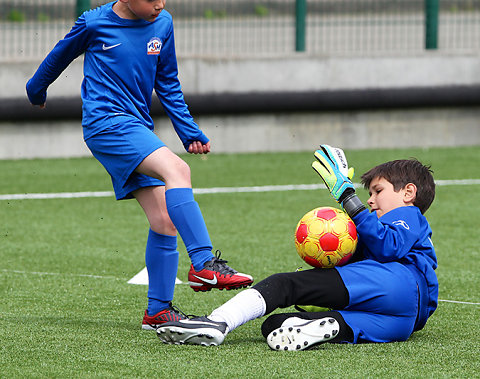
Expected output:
(125, 60)
(394, 290)
(402, 235)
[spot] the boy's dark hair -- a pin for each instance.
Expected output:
(401, 172)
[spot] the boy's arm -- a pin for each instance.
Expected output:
(169, 92)
(332, 166)
(64, 52)
(386, 241)
(391, 237)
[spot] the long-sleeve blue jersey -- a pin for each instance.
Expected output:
(125, 60)
(402, 235)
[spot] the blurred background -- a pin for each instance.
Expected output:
(272, 75)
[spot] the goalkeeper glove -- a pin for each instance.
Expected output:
(332, 167)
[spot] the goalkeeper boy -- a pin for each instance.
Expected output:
(386, 293)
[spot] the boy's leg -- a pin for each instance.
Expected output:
(182, 208)
(207, 271)
(247, 305)
(321, 287)
(161, 258)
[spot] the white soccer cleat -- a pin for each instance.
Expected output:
(303, 336)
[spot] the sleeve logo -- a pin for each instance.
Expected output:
(401, 223)
(154, 46)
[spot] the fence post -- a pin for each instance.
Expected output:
(431, 24)
(300, 24)
(82, 6)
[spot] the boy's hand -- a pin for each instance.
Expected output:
(196, 147)
(332, 167)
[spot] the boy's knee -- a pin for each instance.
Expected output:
(162, 224)
(178, 174)
(183, 168)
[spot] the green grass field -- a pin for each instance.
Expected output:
(66, 309)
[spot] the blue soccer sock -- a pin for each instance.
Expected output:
(161, 258)
(187, 218)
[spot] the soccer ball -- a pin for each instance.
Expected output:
(326, 237)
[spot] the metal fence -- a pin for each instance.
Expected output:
(229, 28)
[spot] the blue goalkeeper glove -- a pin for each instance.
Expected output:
(332, 166)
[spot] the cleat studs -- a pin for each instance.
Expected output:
(334, 332)
(326, 335)
(280, 330)
(331, 320)
(298, 347)
(305, 343)
(274, 334)
(290, 329)
(299, 330)
(277, 347)
(323, 323)
(285, 348)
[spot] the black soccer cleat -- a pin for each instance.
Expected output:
(195, 331)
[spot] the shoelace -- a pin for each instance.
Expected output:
(177, 310)
(220, 265)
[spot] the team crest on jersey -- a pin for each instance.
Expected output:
(154, 46)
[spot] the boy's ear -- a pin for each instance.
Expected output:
(410, 193)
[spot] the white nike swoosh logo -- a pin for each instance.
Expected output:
(104, 47)
(209, 281)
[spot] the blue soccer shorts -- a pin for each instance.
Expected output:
(120, 148)
(383, 300)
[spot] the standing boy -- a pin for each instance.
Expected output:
(387, 292)
(129, 52)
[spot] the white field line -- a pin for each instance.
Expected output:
(458, 302)
(213, 190)
(59, 274)
(178, 282)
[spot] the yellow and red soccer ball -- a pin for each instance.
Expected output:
(326, 237)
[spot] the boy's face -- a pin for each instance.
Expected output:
(383, 197)
(147, 10)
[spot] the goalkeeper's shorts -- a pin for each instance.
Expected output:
(385, 301)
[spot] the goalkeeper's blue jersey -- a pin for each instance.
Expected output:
(125, 60)
(401, 235)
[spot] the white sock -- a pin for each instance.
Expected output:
(247, 305)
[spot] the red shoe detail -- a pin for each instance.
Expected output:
(217, 274)
(166, 315)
